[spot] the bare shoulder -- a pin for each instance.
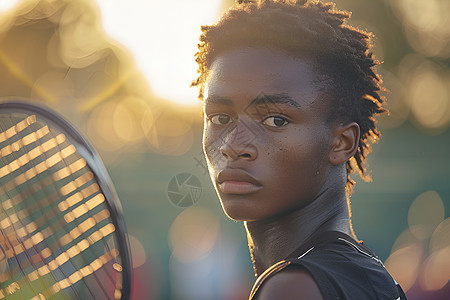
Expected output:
(289, 285)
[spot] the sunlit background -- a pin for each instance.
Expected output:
(120, 70)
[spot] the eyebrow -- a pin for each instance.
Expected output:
(282, 99)
(218, 100)
(261, 99)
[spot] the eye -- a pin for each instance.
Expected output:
(275, 121)
(220, 119)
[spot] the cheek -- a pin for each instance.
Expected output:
(299, 158)
(211, 145)
(206, 141)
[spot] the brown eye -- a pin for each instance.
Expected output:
(275, 121)
(220, 119)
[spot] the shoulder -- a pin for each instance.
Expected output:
(286, 280)
(340, 269)
(290, 284)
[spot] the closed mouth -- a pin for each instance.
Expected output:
(237, 181)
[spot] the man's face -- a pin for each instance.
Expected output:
(265, 136)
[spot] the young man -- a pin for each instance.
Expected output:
(290, 95)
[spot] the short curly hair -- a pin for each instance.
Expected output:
(312, 30)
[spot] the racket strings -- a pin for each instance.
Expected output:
(23, 214)
(83, 245)
(49, 263)
(59, 257)
(30, 245)
(81, 198)
(74, 215)
(11, 236)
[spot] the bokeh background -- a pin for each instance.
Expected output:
(120, 71)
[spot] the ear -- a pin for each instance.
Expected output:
(344, 143)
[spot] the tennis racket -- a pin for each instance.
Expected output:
(62, 234)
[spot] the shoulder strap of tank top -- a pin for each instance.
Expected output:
(321, 239)
(304, 249)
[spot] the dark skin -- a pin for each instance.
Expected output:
(275, 161)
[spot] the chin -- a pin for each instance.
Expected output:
(237, 211)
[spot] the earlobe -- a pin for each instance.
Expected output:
(344, 143)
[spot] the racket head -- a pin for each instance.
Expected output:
(62, 232)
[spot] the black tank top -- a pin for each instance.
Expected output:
(341, 267)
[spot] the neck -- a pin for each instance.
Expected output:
(274, 239)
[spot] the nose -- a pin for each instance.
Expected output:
(238, 143)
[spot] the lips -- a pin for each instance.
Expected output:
(237, 181)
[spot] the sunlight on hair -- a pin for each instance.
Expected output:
(398, 108)
(163, 37)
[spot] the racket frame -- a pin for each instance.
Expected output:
(93, 160)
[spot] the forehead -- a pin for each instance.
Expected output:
(248, 72)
